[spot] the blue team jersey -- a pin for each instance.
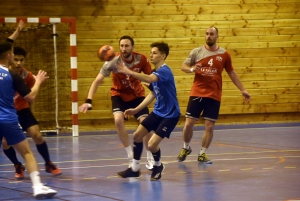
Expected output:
(10, 82)
(166, 104)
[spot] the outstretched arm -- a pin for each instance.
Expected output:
(143, 77)
(236, 80)
(93, 89)
(20, 27)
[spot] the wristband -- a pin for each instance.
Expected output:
(88, 101)
(192, 69)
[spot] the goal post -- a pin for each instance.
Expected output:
(40, 23)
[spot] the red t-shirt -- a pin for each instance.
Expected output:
(208, 80)
(126, 86)
(19, 101)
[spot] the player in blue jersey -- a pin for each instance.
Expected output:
(11, 82)
(165, 116)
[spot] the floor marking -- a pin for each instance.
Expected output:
(90, 178)
(290, 167)
(14, 182)
(66, 179)
(226, 170)
(247, 169)
(202, 171)
(180, 172)
(270, 168)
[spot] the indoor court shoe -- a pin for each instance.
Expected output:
(149, 164)
(19, 174)
(183, 154)
(42, 192)
(156, 172)
(51, 168)
(204, 159)
(129, 173)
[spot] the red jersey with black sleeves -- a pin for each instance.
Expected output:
(19, 102)
(208, 80)
(126, 86)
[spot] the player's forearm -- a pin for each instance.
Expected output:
(34, 91)
(142, 77)
(146, 101)
(236, 80)
(186, 68)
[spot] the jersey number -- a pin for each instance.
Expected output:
(210, 62)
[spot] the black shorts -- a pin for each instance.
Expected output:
(26, 118)
(119, 105)
(161, 126)
(207, 106)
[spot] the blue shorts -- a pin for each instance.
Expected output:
(12, 133)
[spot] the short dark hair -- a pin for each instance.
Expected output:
(4, 48)
(162, 47)
(20, 51)
(127, 37)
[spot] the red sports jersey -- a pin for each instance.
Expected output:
(208, 80)
(126, 86)
(20, 102)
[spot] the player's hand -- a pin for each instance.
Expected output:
(121, 68)
(129, 112)
(41, 76)
(85, 107)
(21, 25)
(246, 96)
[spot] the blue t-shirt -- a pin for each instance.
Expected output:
(10, 82)
(166, 104)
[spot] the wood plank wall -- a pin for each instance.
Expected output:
(263, 38)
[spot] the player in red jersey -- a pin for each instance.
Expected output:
(207, 63)
(126, 92)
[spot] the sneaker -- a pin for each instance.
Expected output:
(19, 174)
(156, 172)
(129, 173)
(204, 159)
(183, 154)
(149, 164)
(51, 168)
(43, 192)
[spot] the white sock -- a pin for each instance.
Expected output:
(202, 150)
(35, 179)
(135, 165)
(186, 145)
(129, 152)
(157, 163)
(149, 155)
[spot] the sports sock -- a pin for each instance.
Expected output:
(202, 150)
(135, 165)
(156, 157)
(129, 152)
(11, 155)
(43, 150)
(35, 179)
(149, 155)
(186, 145)
(137, 150)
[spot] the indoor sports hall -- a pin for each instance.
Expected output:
(255, 150)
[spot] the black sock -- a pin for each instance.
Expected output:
(43, 150)
(137, 150)
(11, 155)
(156, 155)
